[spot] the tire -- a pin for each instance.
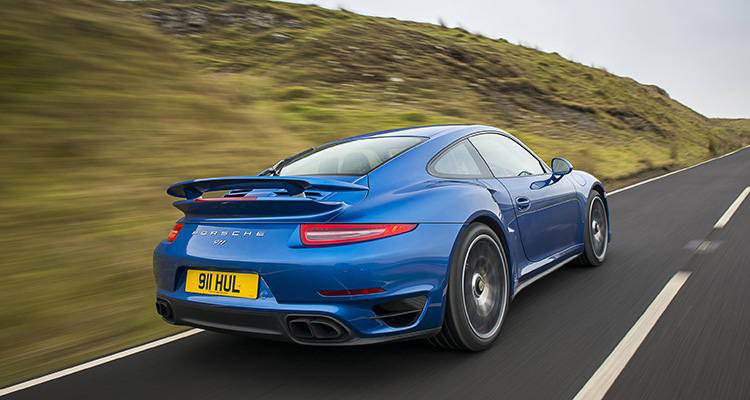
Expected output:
(595, 232)
(478, 292)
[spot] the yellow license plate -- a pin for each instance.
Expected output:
(222, 283)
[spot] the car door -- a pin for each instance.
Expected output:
(547, 211)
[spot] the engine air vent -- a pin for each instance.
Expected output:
(238, 193)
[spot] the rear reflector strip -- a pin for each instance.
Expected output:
(354, 292)
(330, 234)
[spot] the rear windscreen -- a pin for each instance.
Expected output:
(356, 157)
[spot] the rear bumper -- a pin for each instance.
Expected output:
(272, 325)
(410, 268)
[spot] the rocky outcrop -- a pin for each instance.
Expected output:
(199, 19)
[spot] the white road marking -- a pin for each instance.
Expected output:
(670, 173)
(605, 376)
(730, 211)
(147, 346)
(97, 362)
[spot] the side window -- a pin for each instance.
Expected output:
(506, 157)
(460, 161)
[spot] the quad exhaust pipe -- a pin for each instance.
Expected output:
(316, 328)
(164, 309)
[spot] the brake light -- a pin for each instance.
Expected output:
(354, 292)
(173, 235)
(329, 234)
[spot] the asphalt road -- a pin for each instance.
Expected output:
(558, 332)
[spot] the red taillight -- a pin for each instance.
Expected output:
(350, 292)
(175, 231)
(327, 234)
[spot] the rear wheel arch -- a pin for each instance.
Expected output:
(500, 232)
(459, 319)
(486, 218)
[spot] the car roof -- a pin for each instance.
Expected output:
(431, 132)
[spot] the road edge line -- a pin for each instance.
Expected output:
(671, 173)
(599, 383)
(97, 362)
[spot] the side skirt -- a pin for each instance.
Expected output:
(533, 279)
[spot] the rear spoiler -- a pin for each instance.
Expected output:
(294, 186)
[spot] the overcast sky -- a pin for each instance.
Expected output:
(698, 51)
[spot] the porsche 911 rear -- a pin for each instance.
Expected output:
(417, 232)
(268, 259)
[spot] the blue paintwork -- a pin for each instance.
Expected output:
(538, 237)
(550, 220)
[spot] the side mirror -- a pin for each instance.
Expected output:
(560, 167)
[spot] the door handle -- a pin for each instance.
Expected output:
(522, 203)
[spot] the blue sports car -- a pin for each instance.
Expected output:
(424, 232)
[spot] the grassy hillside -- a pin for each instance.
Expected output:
(104, 104)
(98, 114)
(322, 71)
